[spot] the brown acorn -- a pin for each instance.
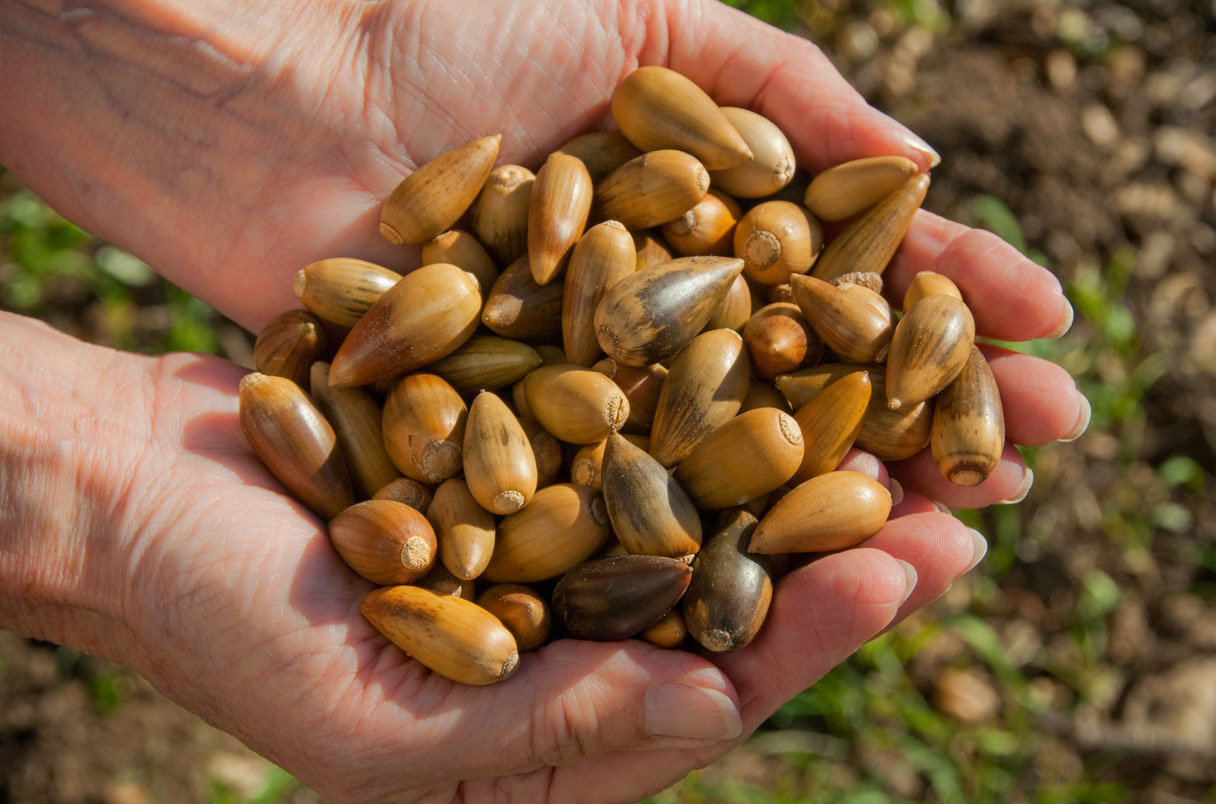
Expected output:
(355, 416)
(464, 530)
(525, 613)
(830, 424)
(750, 455)
(846, 189)
(650, 513)
(385, 541)
(968, 432)
(499, 216)
(425, 316)
(929, 348)
(613, 598)
(547, 450)
(518, 308)
(433, 197)
(587, 467)
(761, 394)
(704, 389)
(557, 214)
(777, 239)
(641, 386)
(462, 249)
(652, 189)
(651, 250)
(657, 108)
(650, 315)
(295, 442)
(926, 283)
(340, 289)
(499, 465)
(406, 490)
(486, 363)
(442, 582)
(576, 404)
(736, 307)
(892, 435)
(772, 165)
(870, 241)
(451, 636)
(603, 255)
(527, 547)
(423, 427)
(289, 345)
(708, 227)
(668, 632)
(600, 151)
(728, 598)
(803, 385)
(853, 321)
(829, 512)
(779, 340)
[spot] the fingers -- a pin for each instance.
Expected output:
(1009, 482)
(1041, 400)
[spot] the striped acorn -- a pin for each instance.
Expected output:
(828, 512)
(355, 416)
(432, 198)
(499, 465)
(385, 541)
(846, 189)
(830, 423)
(614, 598)
(289, 345)
(651, 514)
(652, 189)
(423, 425)
(968, 432)
(853, 321)
(465, 531)
(926, 283)
(779, 340)
(557, 214)
(486, 363)
(340, 289)
(868, 243)
(772, 165)
(731, 589)
(526, 549)
(930, 346)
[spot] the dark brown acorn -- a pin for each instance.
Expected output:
(518, 308)
(289, 345)
(525, 613)
(650, 513)
(613, 598)
(728, 599)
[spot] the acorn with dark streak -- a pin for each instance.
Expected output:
(650, 513)
(968, 432)
(728, 598)
(613, 598)
(289, 345)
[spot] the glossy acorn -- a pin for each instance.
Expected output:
(708, 227)
(728, 599)
(527, 548)
(853, 321)
(846, 189)
(930, 346)
(777, 239)
(614, 598)
(587, 466)
(831, 422)
(486, 363)
(464, 530)
(736, 307)
(968, 433)
(828, 512)
(423, 425)
(603, 256)
(385, 541)
(524, 613)
(748, 456)
(892, 435)
(462, 249)
(442, 582)
(779, 340)
(499, 465)
(576, 404)
(870, 241)
(340, 289)
(406, 490)
(289, 345)
(652, 189)
(772, 166)
(451, 636)
(641, 386)
(668, 632)
(499, 216)
(355, 416)
(650, 513)
(926, 283)
(651, 249)
(519, 308)
(557, 214)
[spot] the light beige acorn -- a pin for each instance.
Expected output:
(652, 189)
(658, 108)
(428, 314)
(451, 636)
(423, 425)
(462, 249)
(340, 289)
(406, 490)
(289, 345)
(295, 442)
(600, 151)
(432, 198)
(526, 548)
(869, 242)
(968, 432)
(846, 189)
(779, 340)
(650, 315)
(748, 456)
(385, 541)
(651, 514)
(602, 256)
(486, 363)
(355, 416)
(708, 227)
(828, 512)
(525, 613)
(853, 321)
(926, 283)
(772, 165)
(519, 308)
(576, 404)
(499, 216)
(929, 348)
(557, 214)
(464, 530)
(831, 422)
(777, 239)
(499, 465)
(731, 589)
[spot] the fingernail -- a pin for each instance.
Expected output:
(912, 578)
(979, 549)
(941, 506)
(1082, 424)
(917, 144)
(1027, 482)
(1066, 323)
(697, 713)
(897, 492)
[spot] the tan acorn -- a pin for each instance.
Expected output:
(892, 435)
(650, 315)
(576, 404)
(652, 189)
(464, 530)
(846, 189)
(772, 165)
(829, 512)
(355, 416)
(340, 289)
(830, 423)
(614, 598)
(486, 363)
(777, 239)
(708, 227)
(779, 340)
(406, 490)
(669, 632)
(518, 308)
(641, 386)
(451, 636)
(736, 307)
(546, 449)
(731, 589)
(587, 467)
(650, 513)
(600, 151)
(385, 541)
(433, 197)
(968, 432)
(651, 250)
(295, 442)
(525, 613)
(657, 108)
(930, 346)
(603, 255)
(853, 321)
(423, 427)
(869, 242)
(704, 389)
(927, 283)
(289, 345)
(499, 216)
(563, 526)
(425, 316)
(557, 214)
(462, 249)
(499, 465)
(748, 456)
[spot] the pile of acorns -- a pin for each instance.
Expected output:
(538, 452)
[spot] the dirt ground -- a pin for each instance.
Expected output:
(1085, 129)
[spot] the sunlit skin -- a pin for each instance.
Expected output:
(228, 144)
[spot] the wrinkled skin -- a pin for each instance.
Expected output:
(228, 146)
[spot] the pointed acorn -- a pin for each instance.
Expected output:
(772, 165)
(846, 189)
(564, 525)
(613, 598)
(728, 598)
(557, 214)
(464, 530)
(930, 346)
(968, 432)
(340, 289)
(869, 242)
(355, 416)
(499, 464)
(650, 513)
(499, 216)
(652, 189)
(829, 512)
(602, 257)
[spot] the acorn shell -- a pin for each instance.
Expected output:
(524, 612)
(652, 189)
(518, 308)
(729, 596)
(668, 632)
(557, 214)
(602, 257)
(772, 165)
(736, 307)
(442, 582)
(776, 239)
(869, 242)
(846, 189)
(289, 345)
(641, 386)
(750, 455)
(451, 636)
(406, 490)
(968, 432)
(779, 340)
(499, 216)
(464, 530)
(340, 289)
(616, 597)
(576, 404)
(385, 541)
(546, 449)
(829, 512)
(892, 435)
(355, 416)
(499, 465)
(423, 425)
(651, 514)
(708, 227)
(930, 346)
(587, 466)
(830, 423)
(486, 363)
(562, 526)
(462, 249)
(853, 321)
(651, 249)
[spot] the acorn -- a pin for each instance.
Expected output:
(641, 386)
(295, 442)
(761, 394)
(772, 165)
(462, 249)
(870, 241)
(750, 455)
(651, 514)
(777, 239)
(603, 255)
(779, 340)
(546, 449)
(830, 423)
(669, 632)
(423, 427)
(355, 416)
(968, 432)
(518, 308)
(600, 151)
(557, 214)
(525, 613)
(464, 530)
(657, 108)
(892, 435)
(927, 283)
(433, 197)
(651, 249)
(930, 346)
(527, 547)
(486, 363)
(385, 541)
(846, 189)
(442, 582)
(587, 467)
(828, 512)
(289, 344)
(736, 307)
(340, 289)
(708, 227)
(499, 465)
(614, 598)
(449, 635)
(853, 321)
(803, 385)
(406, 490)
(650, 315)
(425, 316)
(499, 216)
(652, 189)
(576, 404)
(728, 599)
